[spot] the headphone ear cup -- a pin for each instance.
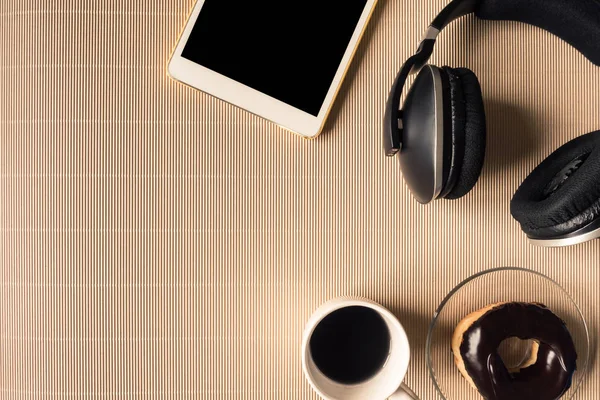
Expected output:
(562, 194)
(468, 132)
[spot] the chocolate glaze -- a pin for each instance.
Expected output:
(548, 379)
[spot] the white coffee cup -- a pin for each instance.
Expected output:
(385, 384)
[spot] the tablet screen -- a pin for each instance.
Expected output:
(290, 50)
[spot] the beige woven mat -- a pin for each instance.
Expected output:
(156, 241)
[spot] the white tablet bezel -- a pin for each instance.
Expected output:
(254, 101)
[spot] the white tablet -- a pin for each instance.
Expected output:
(283, 60)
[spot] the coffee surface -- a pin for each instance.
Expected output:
(351, 344)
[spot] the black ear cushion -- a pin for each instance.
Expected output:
(562, 189)
(474, 132)
(454, 128)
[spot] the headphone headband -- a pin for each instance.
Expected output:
(453, 11)
(393, 115)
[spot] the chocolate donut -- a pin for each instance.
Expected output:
(546, 375)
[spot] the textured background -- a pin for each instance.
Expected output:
(155, 240)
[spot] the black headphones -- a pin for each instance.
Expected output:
(440, 132)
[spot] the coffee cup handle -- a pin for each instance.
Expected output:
(404, 393)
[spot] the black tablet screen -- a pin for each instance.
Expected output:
(289, 50)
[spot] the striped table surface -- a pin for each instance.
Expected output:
(157, 242)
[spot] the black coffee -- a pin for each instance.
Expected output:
(351, 344)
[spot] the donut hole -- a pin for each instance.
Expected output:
(517, 354)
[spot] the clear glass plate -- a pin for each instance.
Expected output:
(493, 286)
